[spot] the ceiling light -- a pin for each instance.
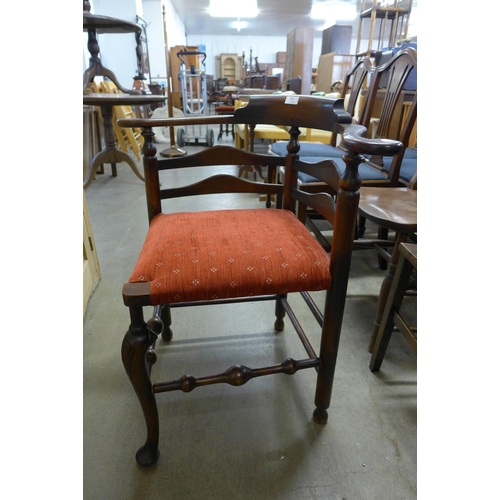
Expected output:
(221, 8)
(239, 24)
(328, 11)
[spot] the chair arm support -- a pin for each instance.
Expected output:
(175, 122)
(353, 138)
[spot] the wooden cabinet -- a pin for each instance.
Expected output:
(281, 59)
(263, 82)
(299, 52)
(331, 68)
(229, 66)
(337, 38)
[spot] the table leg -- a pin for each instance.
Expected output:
(110, 154)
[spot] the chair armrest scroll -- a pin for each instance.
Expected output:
(353, 138)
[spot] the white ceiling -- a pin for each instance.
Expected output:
(276, 17)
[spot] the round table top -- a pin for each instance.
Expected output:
(391, 207)
(121, 99)
(105, 24)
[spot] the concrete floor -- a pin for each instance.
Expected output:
(258, 441)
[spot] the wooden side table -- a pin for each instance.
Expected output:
(110, 153)
(95, 25)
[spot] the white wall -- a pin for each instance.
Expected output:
(263, 47)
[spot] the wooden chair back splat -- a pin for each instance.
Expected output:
(192, 258)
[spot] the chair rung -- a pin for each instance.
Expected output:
(223, 301)
(300, 332)
(236, 375)
(406, 330)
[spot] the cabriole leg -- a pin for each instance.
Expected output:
(135, 346)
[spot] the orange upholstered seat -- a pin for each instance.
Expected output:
(224, 254)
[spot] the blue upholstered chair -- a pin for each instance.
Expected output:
(393, 109)
(391, 122)
(356, 80)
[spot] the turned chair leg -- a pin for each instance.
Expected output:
(135, 348)
(280, 312)
(330, 339)
(166, 318)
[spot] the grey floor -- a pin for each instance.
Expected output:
(258, 441)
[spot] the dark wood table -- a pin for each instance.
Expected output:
(110, 153)
(96, 25)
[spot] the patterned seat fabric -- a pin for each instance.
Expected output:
(220, 254)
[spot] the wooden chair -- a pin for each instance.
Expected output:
(392, 316)
(356, 81)
(386, 105)
(394, 209)
(239, 255)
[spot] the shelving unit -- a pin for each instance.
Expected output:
(390, 17)
(229, 66)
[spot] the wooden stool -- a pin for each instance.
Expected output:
(406, 264)
(225, 110)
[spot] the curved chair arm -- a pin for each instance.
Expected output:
(353, 138)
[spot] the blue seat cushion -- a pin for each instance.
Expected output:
(366, 173)
(408, 165)
(308, 149)
(408, 169)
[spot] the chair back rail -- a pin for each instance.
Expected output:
(222, 183)
(356, 79)
(294, 112)
(397, 71)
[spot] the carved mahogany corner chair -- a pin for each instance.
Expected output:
(238, 255)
